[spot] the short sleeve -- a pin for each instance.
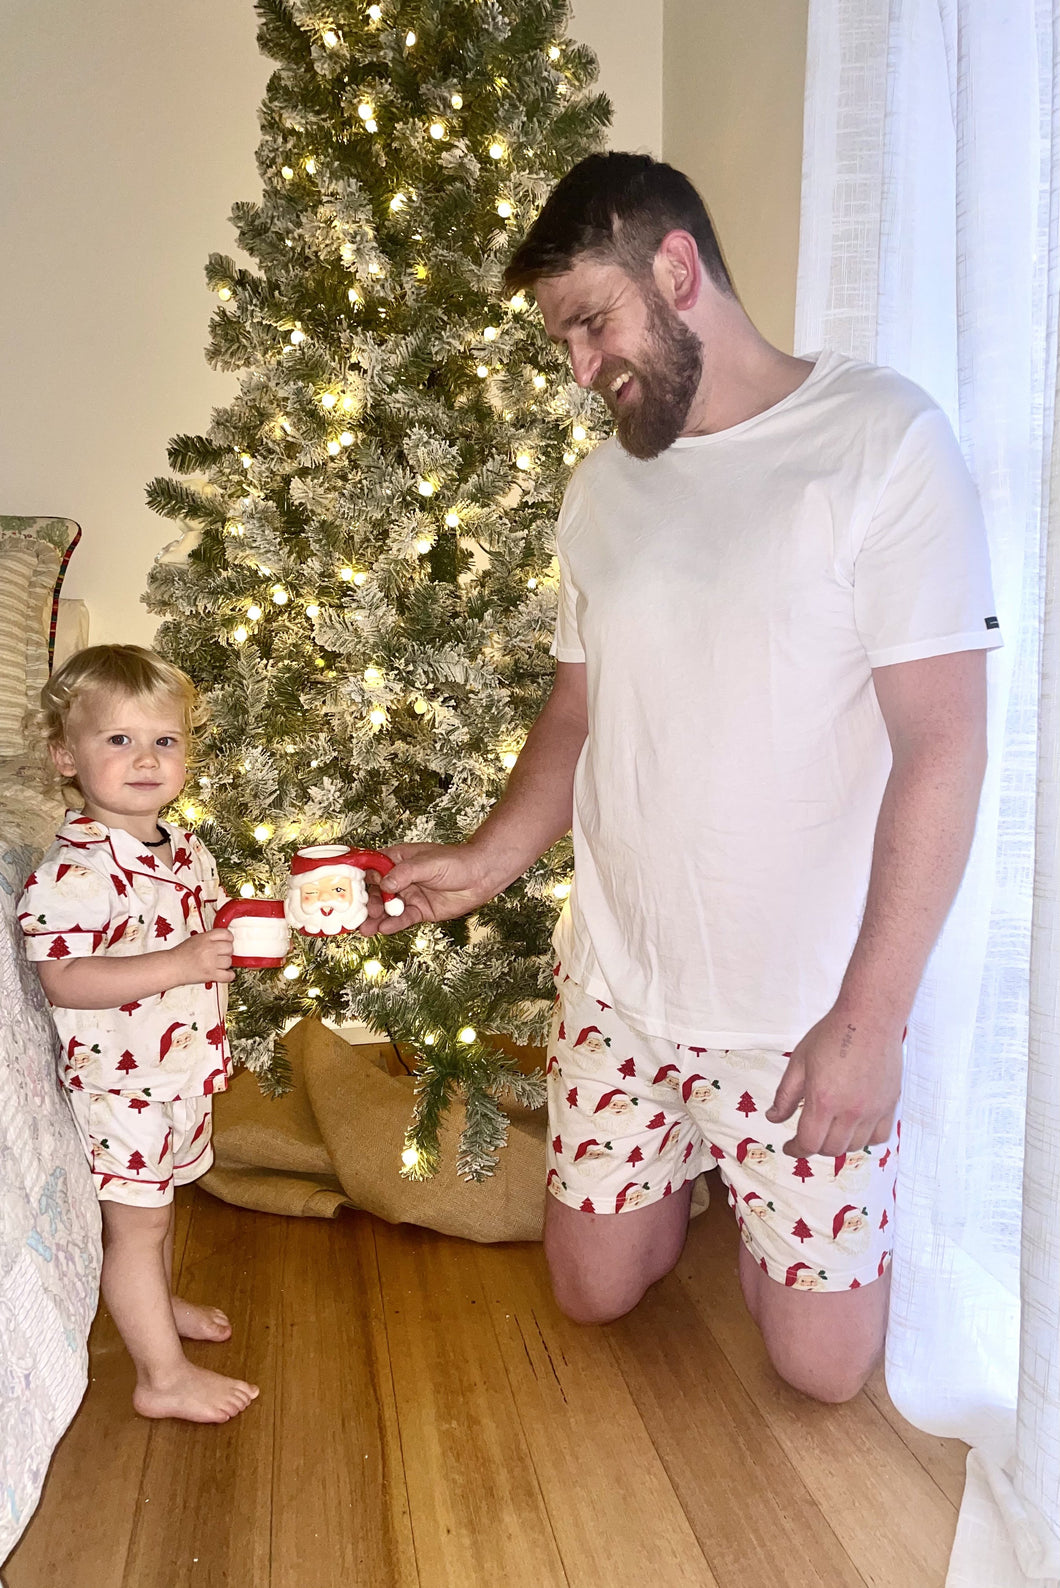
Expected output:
(65, 911)
(567, 645)
(922, 571)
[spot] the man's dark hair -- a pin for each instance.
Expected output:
(617, 208)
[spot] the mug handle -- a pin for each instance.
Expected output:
(372, 860)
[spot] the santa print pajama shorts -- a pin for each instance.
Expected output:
(140, 1150)
(632, 1117)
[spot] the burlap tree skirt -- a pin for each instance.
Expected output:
(336, 1140)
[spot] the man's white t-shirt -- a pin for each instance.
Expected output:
(730, 599)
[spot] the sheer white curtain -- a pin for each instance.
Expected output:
(930, 224)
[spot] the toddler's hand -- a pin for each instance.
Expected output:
(205, 957)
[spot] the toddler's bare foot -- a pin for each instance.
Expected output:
(200, 1323)
(195, 1394)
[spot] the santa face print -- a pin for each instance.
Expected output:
(327, 902)
(128, 756)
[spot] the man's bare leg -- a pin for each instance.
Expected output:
(602, 1263)
(825, 1343)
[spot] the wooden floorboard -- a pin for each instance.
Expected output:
(340, 1507)
(839, 1450)
(428, 1418)
(604, 1486)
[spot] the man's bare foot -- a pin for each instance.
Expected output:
(196, 1395)
(200, 1323)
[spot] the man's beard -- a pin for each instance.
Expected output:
(668, 383)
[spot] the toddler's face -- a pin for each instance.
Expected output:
(128, 756)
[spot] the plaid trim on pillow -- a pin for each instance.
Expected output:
(63, 534)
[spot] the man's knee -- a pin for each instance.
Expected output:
(831, 1379)
(587, 1303)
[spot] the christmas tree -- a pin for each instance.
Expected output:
(368, 599)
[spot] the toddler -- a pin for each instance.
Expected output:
(118, 919)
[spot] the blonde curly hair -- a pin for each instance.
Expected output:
(129, 670)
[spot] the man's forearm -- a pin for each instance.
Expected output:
(923, 836)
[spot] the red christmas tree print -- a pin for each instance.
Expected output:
(855, 1284)
(126, 1063)
(216, 1035)
(636, 1156)
(163, 928)
(128, 1009)
(59, 950)
(628, 1069)
(137, 1162)
(802, 1169)
(587, 1207)
(801, 1230)
(657, 1121)
(138, 1104)
(557, 1145)
(149, 861)
(884, 1220)
(572, 1097)
(746, 1105)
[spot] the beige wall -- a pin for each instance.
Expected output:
(127, 130)
(733, 73)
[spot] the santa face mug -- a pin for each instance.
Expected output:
(327, 893)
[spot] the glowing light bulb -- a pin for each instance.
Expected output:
(328, 400)
(365, 111)
(422, 546)
(579, 432)
(420, 707)
(410, 39)
(240, 633)
(452, 520)
(287, 172)
(523, 461)
(330, 38)
(425, 487)
(540, 381)
(490, 333)
(377, 716)
(247, 891)
(561, 890)
(359, 578)
(254, 612)
(297, 336)
(504, 210)
(372, 968)
(430, 1039)
(466, 1034)
(508, 759)
(570, 458)
(375, 268)
(311, 166)
(371, 125)
(189, 813)
(410, 1157)
(346, 573)
(349, 404)
(398, 201)
(312, 610)
(531, 584)
(334, 449)
(372, 677)
(261, 833)
(518, 303)
(353, 295)
(457, 101)
(437, 130)
(246, 460)
(496, 151)
(224, 293)
(292, 972)
(376, 13)
(312, 992)
(420, 943)
(279, 595)
(346, 439)
(482, 371)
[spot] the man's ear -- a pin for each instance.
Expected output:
(678, 270)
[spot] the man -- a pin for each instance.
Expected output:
(768, 731)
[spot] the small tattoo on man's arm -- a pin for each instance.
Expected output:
(847, 1039)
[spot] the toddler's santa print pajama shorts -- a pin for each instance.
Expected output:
(632, 1117)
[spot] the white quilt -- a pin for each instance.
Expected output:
(49, 1215)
